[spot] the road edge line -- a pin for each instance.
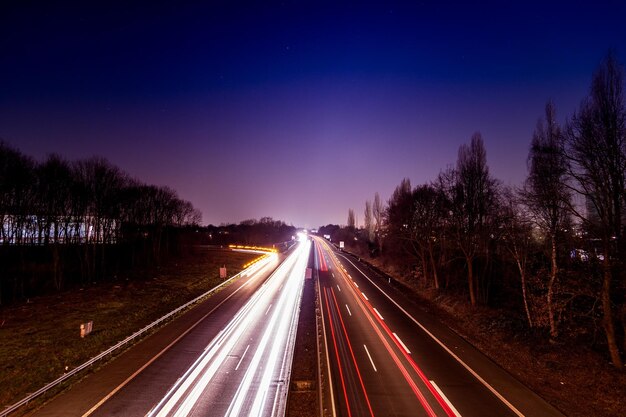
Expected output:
(440, 343)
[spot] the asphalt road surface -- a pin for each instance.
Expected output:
(388, 358)
(230, 357)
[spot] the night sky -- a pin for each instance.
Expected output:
(295, 110)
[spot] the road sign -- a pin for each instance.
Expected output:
(223, 272)
(86, 328)
(341, 244)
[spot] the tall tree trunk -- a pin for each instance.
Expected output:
(522, 274)
(609, 326)
(443, 260)
(433, 264)
(553, 273)
(56, 270)
(623, 325)
(470, 279)
(103, 265)
(422, 253)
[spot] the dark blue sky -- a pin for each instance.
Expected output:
(297, 110)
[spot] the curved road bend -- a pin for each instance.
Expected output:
(388, 358)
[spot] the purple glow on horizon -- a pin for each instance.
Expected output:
(289, 112)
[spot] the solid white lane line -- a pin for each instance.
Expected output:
(402, 343)
(348, 308)
(365, 296)
(454, 410)
(268, 309)
(379, 315)
(370, 356)
(446, 348)
(338, 287)
(242, 356)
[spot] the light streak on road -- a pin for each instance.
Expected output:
(376, 320)
(266, 326)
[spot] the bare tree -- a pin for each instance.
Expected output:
(378, 211)
(100, 184)
(425, 225)
(596, 142)
(547, 196)
(517, 240)
(472, 196)
(368, 221)
(351, 219)
(398, 219)
(54, 196)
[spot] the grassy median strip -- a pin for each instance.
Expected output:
(40, 339)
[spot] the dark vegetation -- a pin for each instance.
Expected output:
(41, 338)
(264, 231)
(66, 225)
(548, 257)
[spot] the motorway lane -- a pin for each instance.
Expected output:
(370, 375)
(447, 387)
(133, 383)
(244, 371)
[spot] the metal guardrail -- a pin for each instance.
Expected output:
(110, 350)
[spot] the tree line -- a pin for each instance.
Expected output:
(262, 232)
(67, 222)
(551, 251)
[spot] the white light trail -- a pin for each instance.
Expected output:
(261, 331)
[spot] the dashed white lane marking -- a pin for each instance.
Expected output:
(379, 315)
(370, 356)
(338, 287)
(454, 410)
(402, 343)
(443, 346)
(365, 296)
(268, 309)
(242, 356)
(348, 308)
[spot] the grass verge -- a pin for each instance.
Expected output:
(40, 338)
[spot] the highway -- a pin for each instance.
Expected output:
(234, 361)
(386, 358)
